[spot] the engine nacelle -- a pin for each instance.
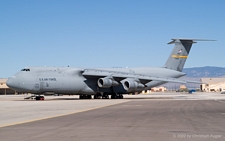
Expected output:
(131, 84)
(107, 82)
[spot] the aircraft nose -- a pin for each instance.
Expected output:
(9, 82)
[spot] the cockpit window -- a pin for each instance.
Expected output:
(25, 70)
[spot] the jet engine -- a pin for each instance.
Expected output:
(131, 84)
(107, 82)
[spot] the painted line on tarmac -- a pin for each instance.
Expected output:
(221, 101)
(132, 105)
(60, 115)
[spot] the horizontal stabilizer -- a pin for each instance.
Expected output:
(176, 40)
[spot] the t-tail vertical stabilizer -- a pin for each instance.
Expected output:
(180, 53)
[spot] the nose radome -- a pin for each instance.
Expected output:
(12, 82)
(9, 82)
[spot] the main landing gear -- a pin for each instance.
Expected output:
(85, 97)
(98, 96)
(102, 96)
(106, 96)
(116, 96)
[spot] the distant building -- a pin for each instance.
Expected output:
(155, 89)
(182, 87)
(158, 89)
(213, 84)
(4, 89)
(146, 92)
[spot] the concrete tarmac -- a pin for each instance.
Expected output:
(128, 119)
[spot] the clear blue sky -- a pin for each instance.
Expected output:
(107, 33)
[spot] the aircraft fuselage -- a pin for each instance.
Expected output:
(66, 80)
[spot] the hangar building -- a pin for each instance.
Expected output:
(213, 84)
(4, 89)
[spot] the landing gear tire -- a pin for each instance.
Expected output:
(98, 96)
(120, 96)
(81, 96)
(85, 97)
(39, 97)
(105, 96)
(114, 96)
(89, 97)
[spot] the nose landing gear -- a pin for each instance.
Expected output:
(39, 97)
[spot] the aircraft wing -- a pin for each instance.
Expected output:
(123, 75)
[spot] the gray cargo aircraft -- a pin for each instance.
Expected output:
(102, 82)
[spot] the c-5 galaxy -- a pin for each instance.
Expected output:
(103, 82)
